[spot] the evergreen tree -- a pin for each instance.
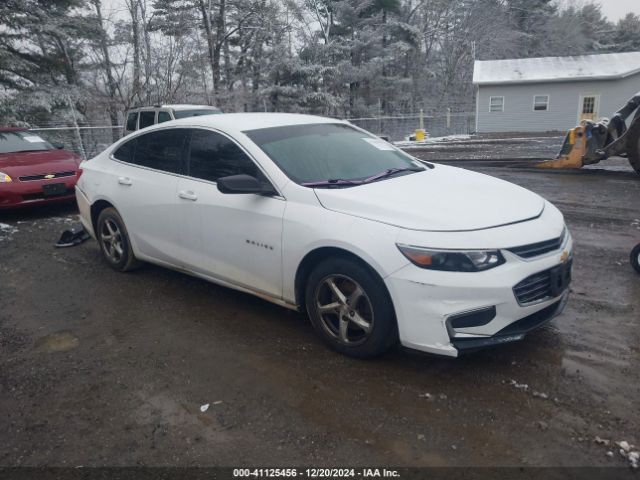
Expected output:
(626, 37)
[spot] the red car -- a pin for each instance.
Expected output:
(34, 171)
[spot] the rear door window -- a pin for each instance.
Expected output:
(212, 156)
(147, 119)
(160, 150)
(132, 120)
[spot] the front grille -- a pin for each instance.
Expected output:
(540, 248)
(30, 178)
(543, 285)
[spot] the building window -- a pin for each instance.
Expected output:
(496, 104)
(541, 103)
(588, 105)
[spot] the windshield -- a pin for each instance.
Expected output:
(196, 113)
(20, 141)
(329, 152)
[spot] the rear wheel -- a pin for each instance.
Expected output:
(635, 258)
(114, 241)
(633, 145)
(350, 308)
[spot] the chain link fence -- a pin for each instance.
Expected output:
(401, 127)
(85, 141)
(90, 141)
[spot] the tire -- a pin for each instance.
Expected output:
(633, 145)
(635, 258)
(114, 241)
(358, 319)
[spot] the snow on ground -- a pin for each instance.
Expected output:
(432, 140)
(465, 139)
(6, 231)
(67, 219)
(625, 167)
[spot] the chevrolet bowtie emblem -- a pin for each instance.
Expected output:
(564, 257)
(50, 176)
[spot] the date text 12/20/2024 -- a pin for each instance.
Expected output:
(315, 473)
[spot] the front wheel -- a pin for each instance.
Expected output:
(635, 258)
(350, 308)
(114, 241)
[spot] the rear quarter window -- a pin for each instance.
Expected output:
(126, 151)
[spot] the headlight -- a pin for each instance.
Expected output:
(453, 260)
(4, 178)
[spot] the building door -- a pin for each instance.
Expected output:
(588, 108)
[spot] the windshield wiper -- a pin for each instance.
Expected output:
(391, 171)
(341, 182)
(333, 182)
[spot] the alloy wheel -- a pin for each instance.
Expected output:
(111, 239)
(344, 309)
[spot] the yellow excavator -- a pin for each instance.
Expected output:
(590, 142)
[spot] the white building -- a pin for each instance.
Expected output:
(552, 93)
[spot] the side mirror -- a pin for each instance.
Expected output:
(236, 184)
(58, 145)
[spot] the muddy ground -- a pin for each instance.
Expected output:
(103, 368)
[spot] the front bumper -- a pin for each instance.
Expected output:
(18, 193)
(515, 331)
(426, 301)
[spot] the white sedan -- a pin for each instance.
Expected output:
(317, 215)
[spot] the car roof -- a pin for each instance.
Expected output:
(186, 106)
(177, 106)
(12, 129)
(251, 121)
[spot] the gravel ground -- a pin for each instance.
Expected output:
(102, 368)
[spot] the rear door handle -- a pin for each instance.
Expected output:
(125, 181)
(188, 195)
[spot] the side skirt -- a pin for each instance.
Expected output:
(224, 283)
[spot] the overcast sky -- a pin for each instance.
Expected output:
(616, 9)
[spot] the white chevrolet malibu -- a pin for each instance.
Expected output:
(317, 215)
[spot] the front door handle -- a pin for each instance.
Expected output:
(188, 195)
(125, 181)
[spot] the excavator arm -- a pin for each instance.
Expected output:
(591, 142)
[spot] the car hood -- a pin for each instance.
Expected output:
(38, 163)
(443, 199)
